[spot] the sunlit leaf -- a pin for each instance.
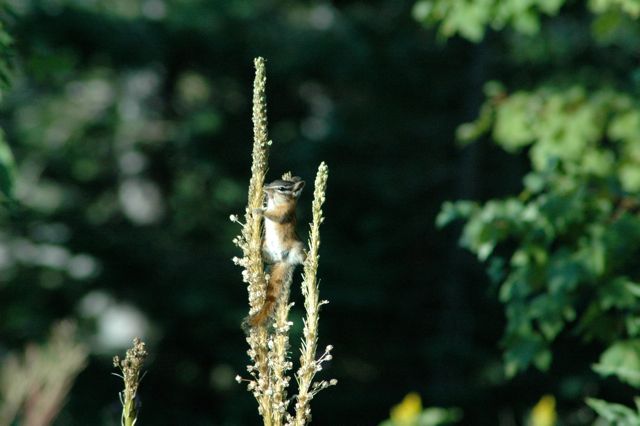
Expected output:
(622, 360)
(614, 413)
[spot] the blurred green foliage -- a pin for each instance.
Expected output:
(471, 19)
(409, 412)
(5, 56)
(7, 166)
(7, 170)
(617, 414)
(563, 252)
(573, 232)
(130, 124)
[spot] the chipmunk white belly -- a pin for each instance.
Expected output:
(273, 247)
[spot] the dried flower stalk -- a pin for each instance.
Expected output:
(131, 367)
(250, 241)
(281, 362)
(307, 389)
(269, 345)
(35, 385)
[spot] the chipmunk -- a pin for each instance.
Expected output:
(281, 249)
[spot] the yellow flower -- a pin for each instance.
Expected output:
(407, 412)
(544, 412)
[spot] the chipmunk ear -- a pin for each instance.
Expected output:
(297, 188)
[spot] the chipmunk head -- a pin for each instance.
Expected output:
(282, 191)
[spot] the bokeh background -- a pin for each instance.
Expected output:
(130, 123)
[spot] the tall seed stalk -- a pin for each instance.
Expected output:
(131, 367)
(269, 345)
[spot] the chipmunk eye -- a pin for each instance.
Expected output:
(282, 188)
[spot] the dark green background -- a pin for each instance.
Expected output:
(359, 85)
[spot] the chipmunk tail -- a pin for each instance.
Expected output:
(279, 275)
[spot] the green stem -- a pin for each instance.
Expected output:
(129, 413)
